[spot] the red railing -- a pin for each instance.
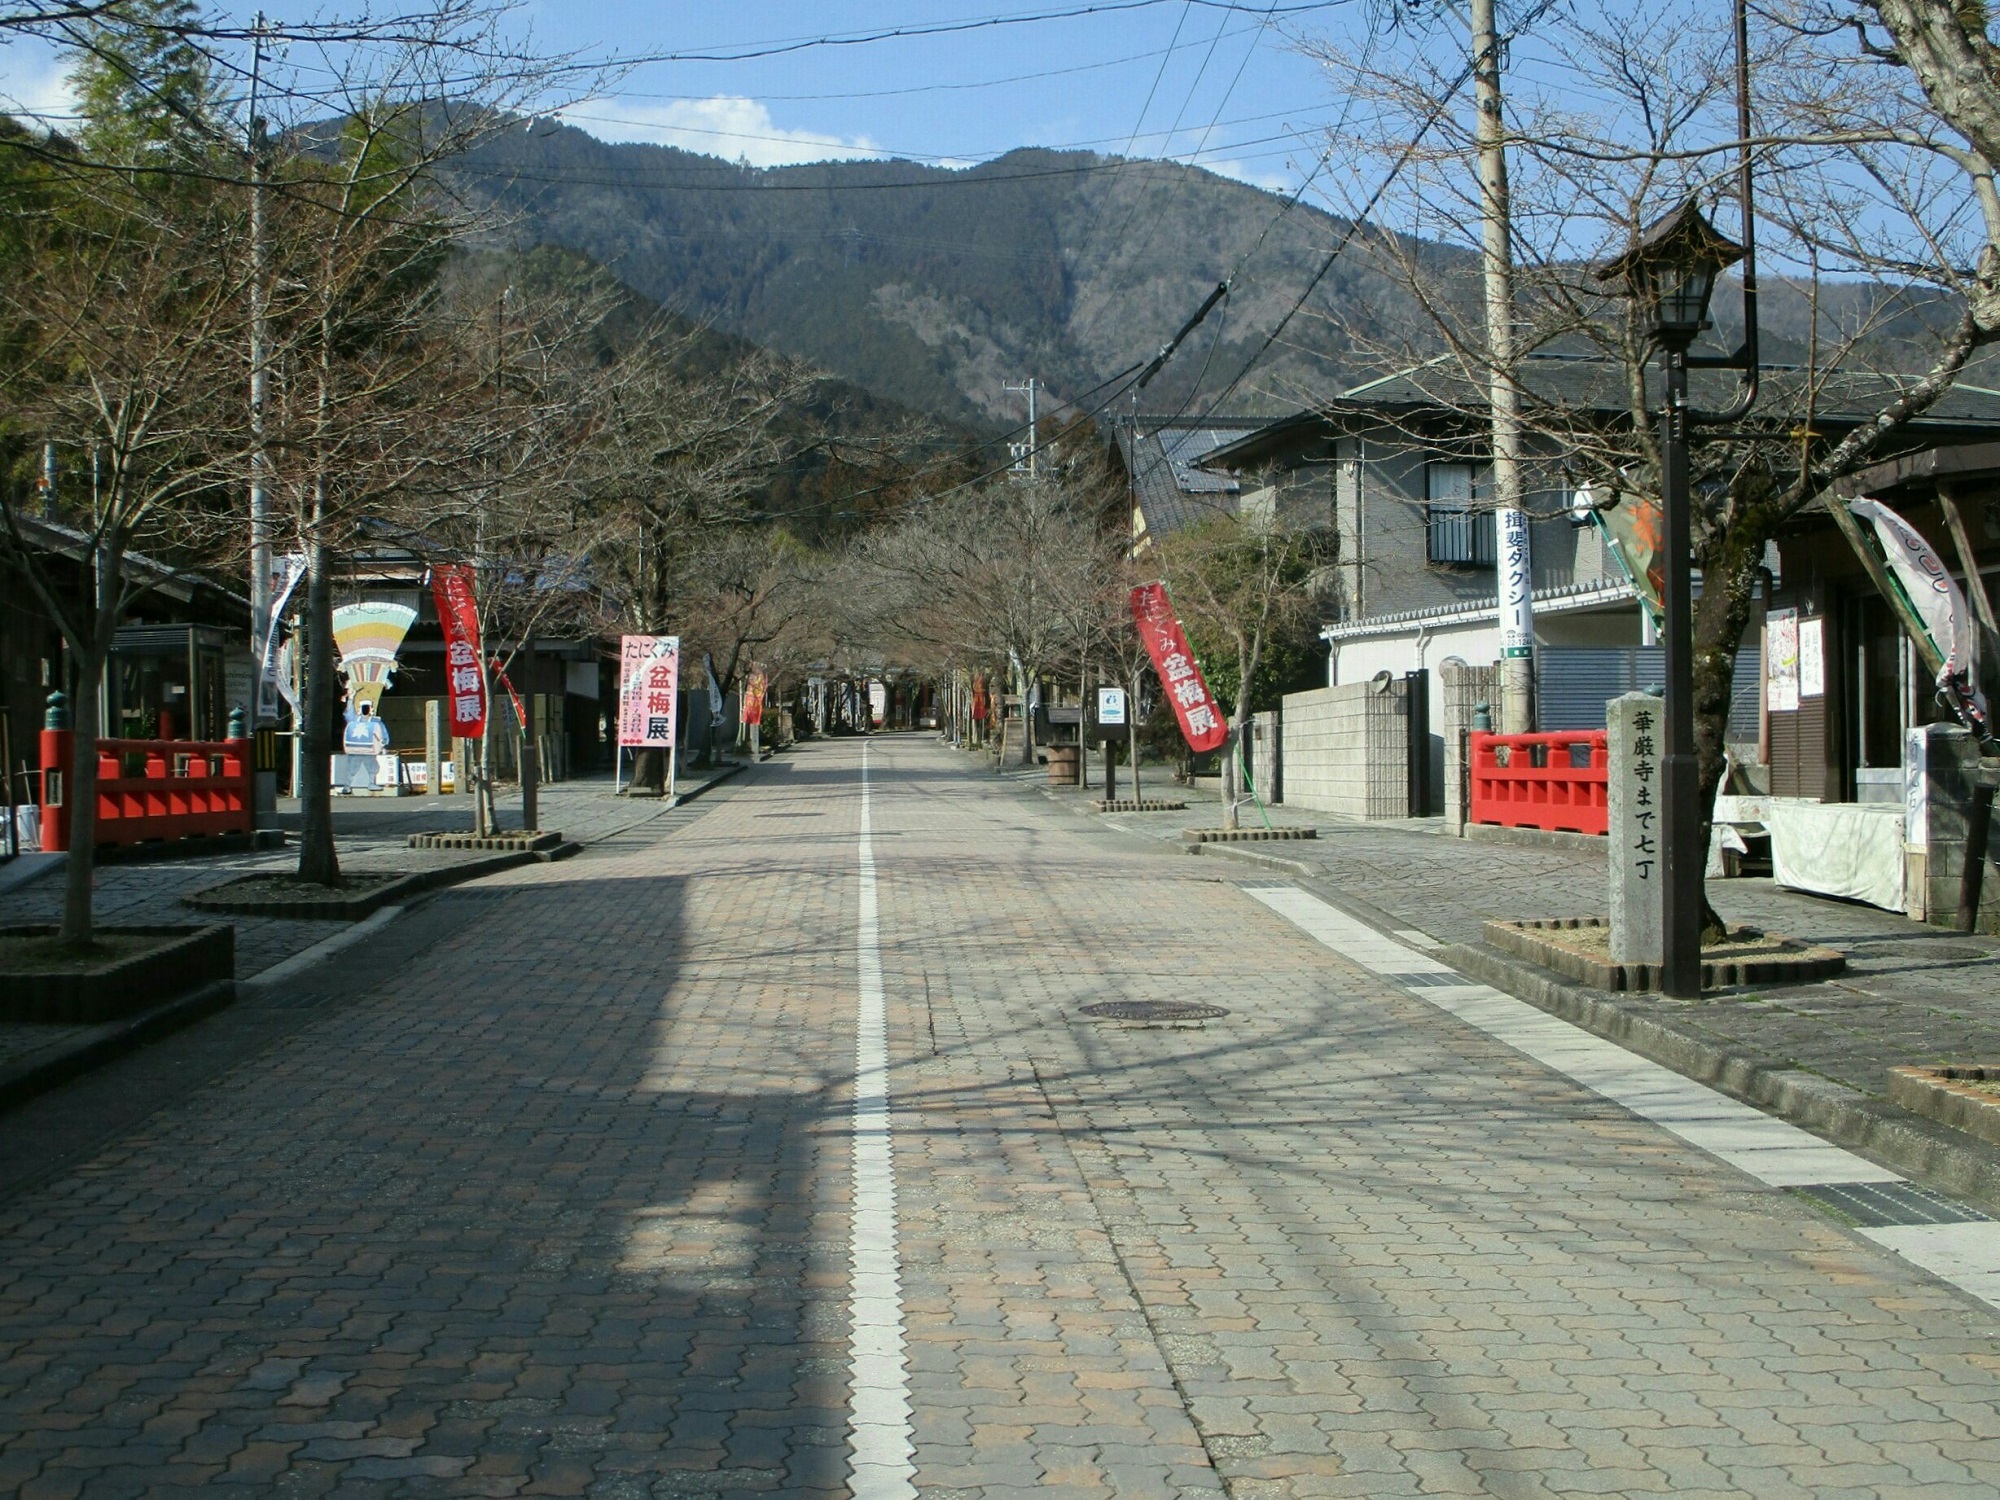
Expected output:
(1558, 782)
(151, 789)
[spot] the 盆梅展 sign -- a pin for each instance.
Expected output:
(1166, 643)
(649, 670)
(465, 681)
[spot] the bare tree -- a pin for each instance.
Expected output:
(1883, 230)
(1240, 580)
(122, 345)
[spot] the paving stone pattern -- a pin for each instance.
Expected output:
(1911, 994)
(561, 1207)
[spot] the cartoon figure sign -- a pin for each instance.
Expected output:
(649, 670)
(1166, 643)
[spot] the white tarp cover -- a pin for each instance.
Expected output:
(1850, 849)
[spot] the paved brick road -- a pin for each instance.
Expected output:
(563, 1205)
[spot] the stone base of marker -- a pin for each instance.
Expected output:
(1579, 948)
(1637, 739)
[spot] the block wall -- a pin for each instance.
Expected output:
(1345, 750)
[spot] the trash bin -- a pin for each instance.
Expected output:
(1064, 761)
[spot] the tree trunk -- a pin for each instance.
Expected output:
(80, 872)
(1027, 716)
(318, 861)
(531, 745)
(1729, 568)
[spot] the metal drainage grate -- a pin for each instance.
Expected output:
(1153, 1010)
(1878, 1205)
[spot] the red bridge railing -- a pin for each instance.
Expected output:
(1559, 782)
(151, 789)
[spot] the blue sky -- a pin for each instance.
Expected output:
(1225, 87)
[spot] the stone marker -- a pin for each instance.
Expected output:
(1637, 724)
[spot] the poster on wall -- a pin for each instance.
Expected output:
(648, 688)
(1812, 658)
(1781, 661)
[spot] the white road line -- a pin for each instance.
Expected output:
(879, 1419)
(1966, 1255)
(1768, 1149)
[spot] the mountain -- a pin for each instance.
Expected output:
(934, 287)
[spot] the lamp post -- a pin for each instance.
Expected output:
(1670, 275)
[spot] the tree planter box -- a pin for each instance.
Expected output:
(1244, 835)
(523, 841)
(189, 959)
(1577, 948)
(1952, 1096)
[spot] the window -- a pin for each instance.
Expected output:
(1458, 534)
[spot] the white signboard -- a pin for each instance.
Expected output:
(1916, 788)
(1781, 661)
(648, 689)
(1517, 586)
(1110, 705)
(1812, 658)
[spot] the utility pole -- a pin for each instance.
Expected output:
(262, 711)
(1034, 428)
(1515, 568)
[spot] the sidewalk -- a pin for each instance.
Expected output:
(371, 834)
(1817, 1053)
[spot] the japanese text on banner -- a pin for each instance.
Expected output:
(1166, 643)
(649, 668)
(465, 683)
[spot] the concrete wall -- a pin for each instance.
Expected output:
(1346, 750)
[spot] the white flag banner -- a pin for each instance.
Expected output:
(286, 571)
(1937, 600)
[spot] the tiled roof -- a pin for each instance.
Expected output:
(1161, 455)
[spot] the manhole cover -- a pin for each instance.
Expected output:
(1153, 1010)
(1934, 952)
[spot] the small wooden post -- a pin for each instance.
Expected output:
(434, 745)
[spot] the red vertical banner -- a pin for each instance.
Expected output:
(1166, 643)
(753, 698)
(465, 684)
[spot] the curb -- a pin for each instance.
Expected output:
(395, 892)
(1259, 857)
(23, 1081)
(1535, 838)
(1939, 1155)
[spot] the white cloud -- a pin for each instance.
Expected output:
(1271, 182)
(728, 126)
(36, 89)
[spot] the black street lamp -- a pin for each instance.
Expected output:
(1670, 275)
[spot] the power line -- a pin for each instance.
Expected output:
(890, 153)
(944, 178)
(783, 46)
